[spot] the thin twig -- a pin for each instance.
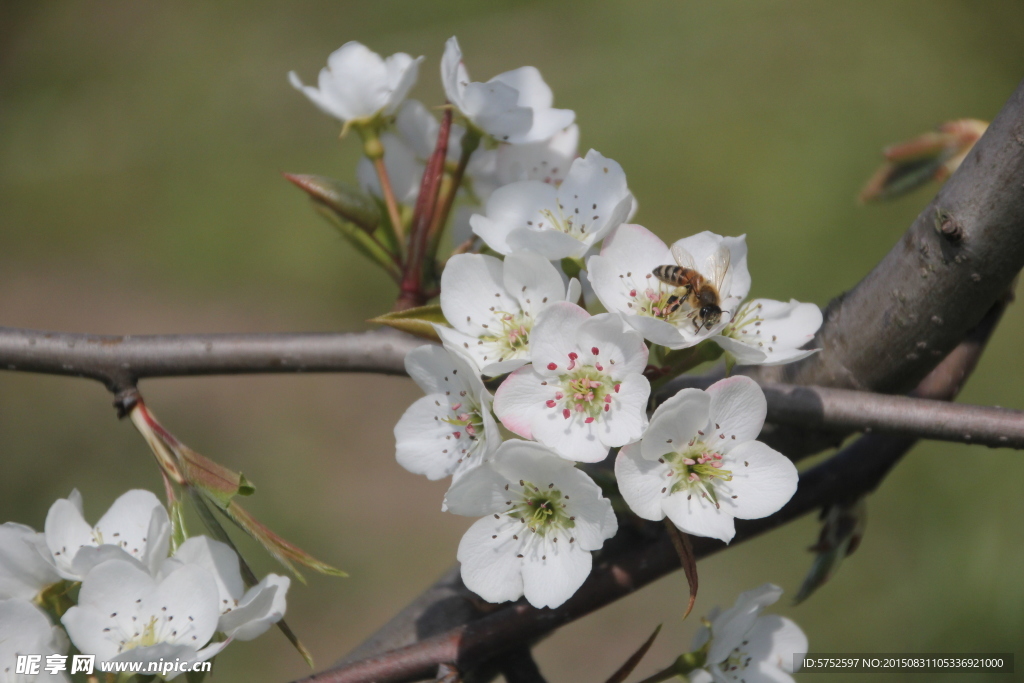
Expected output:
(389, 199)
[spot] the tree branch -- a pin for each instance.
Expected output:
(120, 361)
(638, 555)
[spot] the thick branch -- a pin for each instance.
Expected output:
(120, 361)
(630, 560)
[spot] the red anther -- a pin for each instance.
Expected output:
(552, 366)
(456, 406)
(550, 403)
(607, 407)
(600, 368)
(589, 420)
(594, 350)
(458, 435)
(573, 355)
(632, 292)
(559, 395)
(617, 388)
(608, 398)
(566, 414)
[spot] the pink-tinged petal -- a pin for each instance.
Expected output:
(490, 567)
(627, 419)
(571, 438)
(551, 244)
(763, 480)
(691, 512)
(479, 492)
(641, 482)
(553, 572)
(675, 422)
(519, 403)
(738, 409)
(554, 337)
(532, 281)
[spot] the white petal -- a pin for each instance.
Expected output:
(479, 492)
(26, 567)
(595, 194)
(128, 522)
(437, 370)
(490, 567)
(738, 409)
(535, 94)
(107, 599)
(763, 480)
(696, 515)
(551, 244)
(402, 71)
(700, 676)
(471, 286)
(453, 74)
(546, 161)
(510, 207)
(359, 79)
(426, 444)
(418, 128)
(552, 575)
(26, 629)
(532, 281)
(190, 595)
(622, 351)
(324, 103)
(627, 419)
(66, 531)
(554, 336)
(777, 336)
(675, 422)
(262, 606)
(220, 560)
(641, 481)
(660, 332)
(731, 627)
(743, 351)
(493, 107)
(629, 254)
(773, 642)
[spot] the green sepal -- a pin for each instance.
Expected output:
(179, 533)
(418, 321)
(573, 266)
(348, 203)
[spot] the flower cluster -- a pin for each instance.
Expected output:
(136, 601)
(571, 384)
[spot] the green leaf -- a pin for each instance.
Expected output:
(418, 321)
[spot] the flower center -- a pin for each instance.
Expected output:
(542, 509)
(653, 298)
(736, 661)
(697, 469)
(585, 391)
(468, 421)
(746, 327)
(573, 225)
(514, 339)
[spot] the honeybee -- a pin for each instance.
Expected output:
(699, 292)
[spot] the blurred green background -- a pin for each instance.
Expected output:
(141, 146)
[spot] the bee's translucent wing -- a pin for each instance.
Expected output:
(718, 266)
(683, 258)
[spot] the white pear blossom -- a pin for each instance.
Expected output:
(584, 391)
(541, 518)
(136, 526)
(766, 332)
(26, 567)
(623, 280)
(698, 462)
(244, 615)
(557, 222)
(513, 107)
(748, 646)
(492, 305)
(124, 614)
(357, 84)
(450, 430)
(26, 630)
